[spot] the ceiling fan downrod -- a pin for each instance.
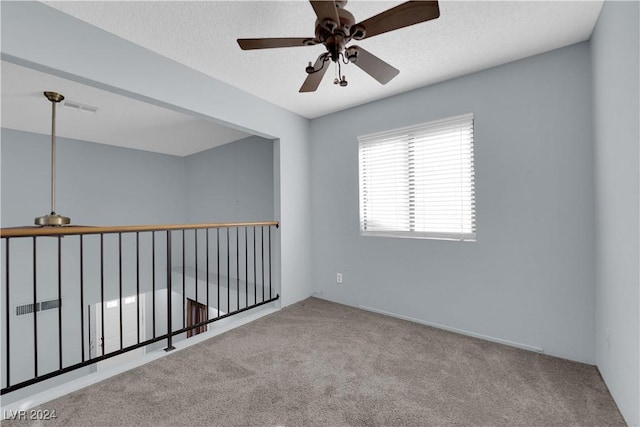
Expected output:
(53, 219)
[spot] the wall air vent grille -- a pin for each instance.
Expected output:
(40, 306)
(78, 106)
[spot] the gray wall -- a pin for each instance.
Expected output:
(96, 184)
(615, 47)
(529, 278)
(233, 182)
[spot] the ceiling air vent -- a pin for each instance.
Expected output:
(73, 105)
(40, 306)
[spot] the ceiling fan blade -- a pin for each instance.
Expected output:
(375, 67)
(313, 80)
(404, 15)
(248, 44)
(326, 9)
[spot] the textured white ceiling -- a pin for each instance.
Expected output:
(119, 121)
(468, 37)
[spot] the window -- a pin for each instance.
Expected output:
(419, 181)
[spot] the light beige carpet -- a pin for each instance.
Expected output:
(318, 363)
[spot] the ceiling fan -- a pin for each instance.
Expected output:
(336, 27)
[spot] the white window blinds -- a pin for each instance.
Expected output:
(419, 181)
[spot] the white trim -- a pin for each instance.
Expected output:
(406, 129)
(457, 237)
(456, 330)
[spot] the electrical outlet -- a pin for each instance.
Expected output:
(607, 340)
(339, 278)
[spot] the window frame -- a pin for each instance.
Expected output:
(465, 121)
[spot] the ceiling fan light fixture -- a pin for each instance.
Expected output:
(310, 68)
(352, 54)
(335, 27)
(358, 32)
(53, 219)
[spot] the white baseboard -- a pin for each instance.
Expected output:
(456, 330)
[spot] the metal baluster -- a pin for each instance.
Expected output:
(269, 228)
(218, 268)
(138, 285)
(255, 276)
(207, 255)
(89, 329)
(7, 314)
(35, 311)
(237, 268)
(169, 328)
(120, 285)
(82, 296)
(153, 281)
(246, 268)
(262, 262)
(195, 234)
(184, 301)
(102, 292)
(60, 301)
(228, 283)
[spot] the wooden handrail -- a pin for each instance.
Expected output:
(71, 230)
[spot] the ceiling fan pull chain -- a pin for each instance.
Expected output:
(341, 80)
